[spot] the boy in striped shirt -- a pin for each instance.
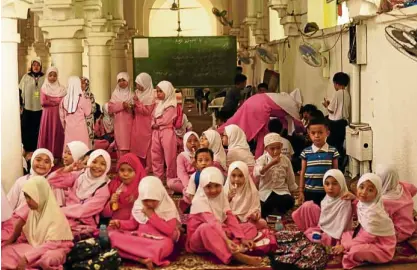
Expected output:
(316, 160)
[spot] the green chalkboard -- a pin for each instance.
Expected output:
(187, 61)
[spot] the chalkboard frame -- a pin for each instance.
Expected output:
(234, 52)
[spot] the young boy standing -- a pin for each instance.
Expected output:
(316, 160)
(339, 111)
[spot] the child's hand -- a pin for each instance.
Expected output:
(114, 223)
(255, 216)
(147, 211)
(125, 106)
(276, 160)
(300, 198)
(114, 198)
(232, 194)
(22, 263)
(348, 196)
(135, 98)
(338, 249)
(248, 243)
(7, 242)
(233, 248)
(326, 103)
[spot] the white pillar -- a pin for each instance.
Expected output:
(99, 65)
(11, 142)
(66, 46)
(23, 51)
(118, 57)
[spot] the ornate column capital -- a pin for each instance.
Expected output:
(92, 9)
(291, 25)
(279, 6)
(67, 29)
(15, 9)
(234, 31)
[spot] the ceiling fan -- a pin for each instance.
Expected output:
(175, 7)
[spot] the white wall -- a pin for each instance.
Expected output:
(388, 92)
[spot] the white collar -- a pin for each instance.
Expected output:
(324, 148)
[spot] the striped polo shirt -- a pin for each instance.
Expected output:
(319, 161)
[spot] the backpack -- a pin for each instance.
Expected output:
(84, 250)
(106, 260)
(294, 252)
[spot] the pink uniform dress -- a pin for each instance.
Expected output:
(211, 221)
(253, 116)
(157, 232)
(185, 167)
(144, 104)
(245, 204)
(46, 237)
(331, 220)
(375, 242)
(238, 149)
(127, 193)
(164, 149)
(16, 197)
(51, 133)
(123, 119)
(88, 195)
(73, 110)
(398, 201)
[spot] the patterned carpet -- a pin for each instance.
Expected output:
(186, 261)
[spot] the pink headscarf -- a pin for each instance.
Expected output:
(54, 89)
(130, 191)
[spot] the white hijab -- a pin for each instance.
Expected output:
(169, 101)
(48, 222)
(147, 97)
(236, 137)
(187, 152)
(86, 183)
(336, 214)
(108, 121)
(74, 93)
(122, 94)
(246, 201)
(391, 187)
(78, 149)
(37, 153)
(215, 144)
(286, 102)
(53, 89)
(201, 203)
(296, 96)
(372, 216)
(151, 188)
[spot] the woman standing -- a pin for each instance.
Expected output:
(85, 86)
(51, 134)
(30, 86)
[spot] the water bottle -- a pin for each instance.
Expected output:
(103, 237)
(278, 224)
(316, 237)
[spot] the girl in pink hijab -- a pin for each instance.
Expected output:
(164, 148)
(120, 105)
(51, 133)
(144, 104)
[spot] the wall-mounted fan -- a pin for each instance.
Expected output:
(244, 57)
(315, 55)
(175, 7)
(266, 55)
(403, 38)
(221, 16)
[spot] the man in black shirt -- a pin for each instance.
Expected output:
(233, 96)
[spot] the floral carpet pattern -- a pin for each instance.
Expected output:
(405, 253)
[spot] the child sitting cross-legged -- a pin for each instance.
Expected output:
(243, 195)
(277, 179)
